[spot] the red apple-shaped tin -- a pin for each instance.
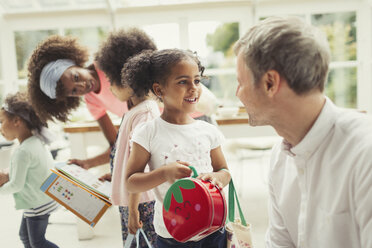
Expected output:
(193, 208)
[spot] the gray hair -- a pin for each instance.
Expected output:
(298, 51)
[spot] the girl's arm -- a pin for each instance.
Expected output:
(100, 159)
(220, 175)
(109, 130)
(136, 180)
(134, 222)
(20, 166)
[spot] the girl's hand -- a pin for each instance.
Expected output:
(219, 179)
(4, 177)
(106, 177)
(134, 222)
(82, 163)
(176, 170)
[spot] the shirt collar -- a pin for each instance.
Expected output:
(316, 135)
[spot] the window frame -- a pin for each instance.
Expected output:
(363, 62)
(245, 13)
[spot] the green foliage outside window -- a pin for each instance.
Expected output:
(224, 38)
(340, 29)
(90, 37)
(26, 42)
(342, 88)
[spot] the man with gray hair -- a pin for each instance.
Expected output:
(320, 178)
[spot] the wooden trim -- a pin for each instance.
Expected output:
(232, 121)
(83, 128)
(93, 127)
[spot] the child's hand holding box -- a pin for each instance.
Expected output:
(4, 177)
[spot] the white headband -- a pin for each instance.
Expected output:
(50, 75)
(25, 117)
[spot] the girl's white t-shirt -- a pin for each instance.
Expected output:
(168, 143)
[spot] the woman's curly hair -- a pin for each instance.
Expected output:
(119, 46)
(53, 48)
(143, 70)
(20, 106)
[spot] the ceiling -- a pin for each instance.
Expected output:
(29, 6)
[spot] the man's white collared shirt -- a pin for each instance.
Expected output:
(321, 189)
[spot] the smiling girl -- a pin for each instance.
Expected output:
(171, 142)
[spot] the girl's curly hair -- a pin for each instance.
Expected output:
(53, 48)
(20, 106)
(143, 70)
(119, 46)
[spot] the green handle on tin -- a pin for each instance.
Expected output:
(195, 174)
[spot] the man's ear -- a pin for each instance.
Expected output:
(157, 89)
(271, 82)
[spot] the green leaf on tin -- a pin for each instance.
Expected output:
(176, 192)
(186, 184)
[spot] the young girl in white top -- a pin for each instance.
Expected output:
(29, 167)
(171, 142)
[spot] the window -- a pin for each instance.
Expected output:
(165, 35)
(1, 69)
(1, 79)
(223, 87)
(54, 3)
(25, 42)
(1, 93)
(90, 37)
(136, 3)
(340, 29)
(341, 86)
(213, 42)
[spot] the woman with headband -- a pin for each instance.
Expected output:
(58, 78)
(29, 167)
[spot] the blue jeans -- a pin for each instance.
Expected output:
(32, 232)
(214, 240)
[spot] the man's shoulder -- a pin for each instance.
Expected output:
(354, 124)
(354, 137)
